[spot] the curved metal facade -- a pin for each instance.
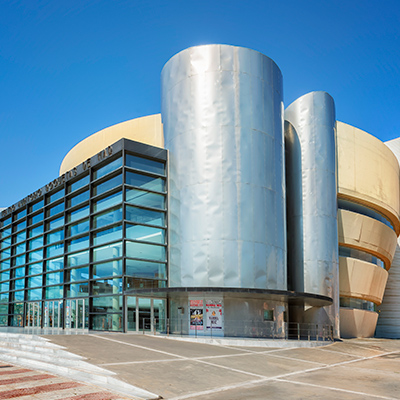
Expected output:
(223, 123)
(311, 196)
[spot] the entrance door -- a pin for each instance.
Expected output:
(145, 314)
(33, 313)
(53, 314)
(77, 314)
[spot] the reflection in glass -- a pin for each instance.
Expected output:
(145, 164)
(145, 182)
(111, 268)
(145, 251)
(142, 216)
(107, 235)
(107, 252)
(107, 217)
(107, 168)
(107, 202)
(107, 185)
(146, 199)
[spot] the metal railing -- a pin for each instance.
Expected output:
(238, 329)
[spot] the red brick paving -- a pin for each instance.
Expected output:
(94, 396)
(11, 394)
(25, 379)
(14, 387)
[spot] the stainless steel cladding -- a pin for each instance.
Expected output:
(223, 123)
(312, 199)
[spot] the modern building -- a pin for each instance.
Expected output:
(226, 215)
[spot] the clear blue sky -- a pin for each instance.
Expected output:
(69, 68)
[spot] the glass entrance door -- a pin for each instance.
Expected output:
(145, 314)
(77, 314)
(53, 314)
(33, 314)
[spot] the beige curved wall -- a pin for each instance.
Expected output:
(365, 233)
(361, 280)
(368, 172)
(146, 130)
(357, 323)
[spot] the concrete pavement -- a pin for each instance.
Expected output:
(177, 370)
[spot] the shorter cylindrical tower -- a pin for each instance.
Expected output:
(311, 203)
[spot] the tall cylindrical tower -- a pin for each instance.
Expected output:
(223, 123)
(312, 203)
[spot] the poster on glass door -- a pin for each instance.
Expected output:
(196, 315)
(214, 314)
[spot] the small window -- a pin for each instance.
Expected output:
(268, 315)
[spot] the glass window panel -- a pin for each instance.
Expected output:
(6, 221)
(55, 210)
(146, 269)
(36, 218)
(55, 223)
(112, 268)
(4, 276)
(145, 164)
(20, 248)
(36, 255)
(36, 206)
(107, 235)
(142, 216)
(4, 309)
(4, 287)
(147, 199)
(35, 243)
(78, 228)
(107, 217)
(78, 184)
(78, 258)
(55, 196)
(19, 272)
(107, 168)
(107, 202)
(145, 251)
(54, 292)
(107, 304)
(79, 274)
(38, 230)
(20, 214)
(20, 260)
(20, 226)
(55, 250)
(5, 242)
(107, 252)
(6, 253)
(5, 265)
(360, 255)
(145, 182)
(19, 237)
(4, 297)
(140, 283)
(19, 284)
(55, 236)
(5, 232)
(78, 244)
(107, 286)
(79, 198)
(107, 322)
(145, 233)
(35, 294)
(78, 214)
(35, 281)
(78, 290)
(17, 296)
(107, 185)
(54, 278)
(55, 264)
(35, 269)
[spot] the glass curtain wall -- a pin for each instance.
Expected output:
(99, 234)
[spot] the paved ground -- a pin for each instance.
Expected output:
(23, 384)
(353, 369)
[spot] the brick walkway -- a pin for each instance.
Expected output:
(23, 384)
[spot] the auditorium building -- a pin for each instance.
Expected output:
(228, 214)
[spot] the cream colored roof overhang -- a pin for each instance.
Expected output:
(367, 234)
(368, 172)
(361, 280)
(146, 130)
